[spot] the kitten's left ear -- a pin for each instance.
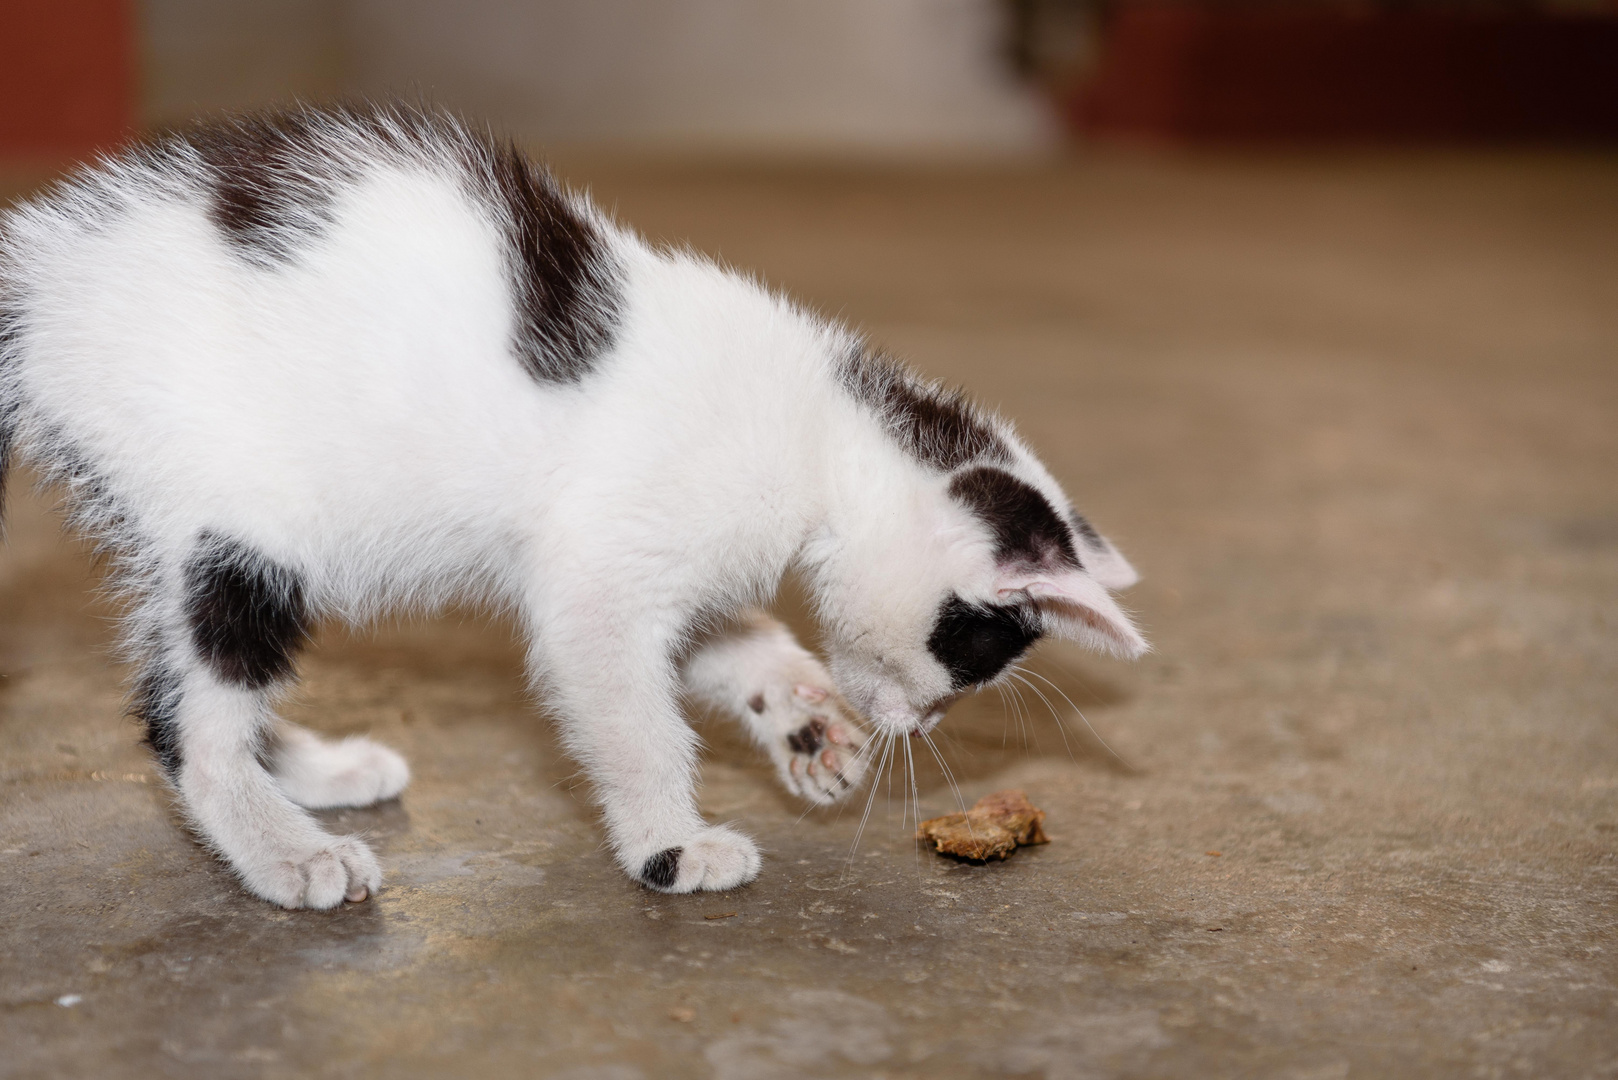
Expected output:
(1074, 606)
(1107, 566)
(1104, 561)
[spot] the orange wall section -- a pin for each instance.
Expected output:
(67, 76)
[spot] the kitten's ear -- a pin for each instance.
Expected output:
(1074, 606)
(1103, 561)
(1107, 566)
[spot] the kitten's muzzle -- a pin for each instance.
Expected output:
(934, 715)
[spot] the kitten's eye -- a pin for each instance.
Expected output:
(976, 642)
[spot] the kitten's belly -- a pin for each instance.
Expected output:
(364, 394)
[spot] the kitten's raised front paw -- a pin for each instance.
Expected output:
(343, 868)
(321, 775)
(818, 757)
(714, 859)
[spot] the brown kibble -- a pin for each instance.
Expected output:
(682, 1014)
(1215, 854)
(996, 826)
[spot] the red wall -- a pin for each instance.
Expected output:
(1225, 72)
(67, 76)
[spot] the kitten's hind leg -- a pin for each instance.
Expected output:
(221, 635)
(320, 774)
(782, 694)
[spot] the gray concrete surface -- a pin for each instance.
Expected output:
(1357, 422)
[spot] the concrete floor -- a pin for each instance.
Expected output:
(1356, 421)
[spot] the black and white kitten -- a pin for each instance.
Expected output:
(335, 362)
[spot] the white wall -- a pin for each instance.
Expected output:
(836, 75)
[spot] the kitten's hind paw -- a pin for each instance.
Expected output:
(819, 757)
(714, 859)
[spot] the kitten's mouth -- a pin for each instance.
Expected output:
(934, 715)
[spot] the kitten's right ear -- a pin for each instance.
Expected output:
(1074, 606)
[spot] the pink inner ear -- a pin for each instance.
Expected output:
(1078, 608)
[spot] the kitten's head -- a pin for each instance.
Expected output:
(952, 572)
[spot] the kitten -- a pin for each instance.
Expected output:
(333, 362)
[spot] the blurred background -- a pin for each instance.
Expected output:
(833, 76)
(1313, 307)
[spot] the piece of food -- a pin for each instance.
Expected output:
(996, 826)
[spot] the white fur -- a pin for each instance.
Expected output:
(761, 675)
(356, 415)
(321, 775)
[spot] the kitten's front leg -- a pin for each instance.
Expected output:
(783, 695)
(619, 713)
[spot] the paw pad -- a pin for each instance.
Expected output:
(809, 738)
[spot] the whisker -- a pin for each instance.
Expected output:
(1017, 675)
(1005, 713)
(915, 794)
(1046, 658)
(956, 745)
(1119, 757)
(1016, 712)
(949, 775)
(1032, 731)
(888, 809)
(820, 803)
(870, 800)
(943, 766)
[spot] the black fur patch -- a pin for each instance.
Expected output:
(274, 176)
(660, 870)
(271, 190)
(7, 423)
(156, 702)
(5, 454)
(10, 332)
(975, 643)
(1082, 526)
(248, 616)
(88, 504)
(566, 282)
(1027, 530)
(936, 426)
